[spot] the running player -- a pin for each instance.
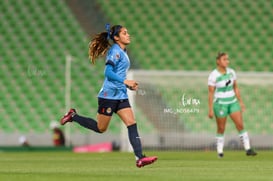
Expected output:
(113, 97)
(224, 99)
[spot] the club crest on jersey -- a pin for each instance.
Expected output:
(117, 56)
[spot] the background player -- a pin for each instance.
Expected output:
(224, 99)
(113, 97)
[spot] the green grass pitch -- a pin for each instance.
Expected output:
(116, 166)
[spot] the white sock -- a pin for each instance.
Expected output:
(220, 143)
(244, 139)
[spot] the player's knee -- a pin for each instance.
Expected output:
(102, 129)
(129, 123)
(221, 130)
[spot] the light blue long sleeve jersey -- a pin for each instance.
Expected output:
(117, 65)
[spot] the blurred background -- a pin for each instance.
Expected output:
(45, 70)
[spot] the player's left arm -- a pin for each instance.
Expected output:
(110, 74)
(238, 95)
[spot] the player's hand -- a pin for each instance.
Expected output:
(243, 108)
(131, 84)
(211, 113)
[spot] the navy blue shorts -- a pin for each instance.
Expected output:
(108, 106)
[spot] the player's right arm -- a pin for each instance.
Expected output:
(211, 87)
(210, 100)
(131, 84)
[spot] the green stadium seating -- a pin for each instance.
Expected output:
(187, 35)
(33, 52)
(36, 37)
(229, 26)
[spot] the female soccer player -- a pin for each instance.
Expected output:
(113, 97)
(224, 99)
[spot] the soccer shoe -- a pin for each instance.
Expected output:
(251, 152)
(68, 117)
(220, 155)
(145, 161)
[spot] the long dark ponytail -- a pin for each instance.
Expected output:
(100, 43)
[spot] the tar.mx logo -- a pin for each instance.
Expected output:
(187, 105)
(187, 101)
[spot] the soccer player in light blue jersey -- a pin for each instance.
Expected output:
(225, 100)
(113, 97)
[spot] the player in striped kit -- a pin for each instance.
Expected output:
(224, 99)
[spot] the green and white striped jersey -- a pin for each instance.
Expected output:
(223, 83)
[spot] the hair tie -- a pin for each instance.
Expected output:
(108, 29)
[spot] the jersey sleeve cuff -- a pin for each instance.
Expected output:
(110, 62)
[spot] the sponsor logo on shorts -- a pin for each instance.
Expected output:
(109, 110)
